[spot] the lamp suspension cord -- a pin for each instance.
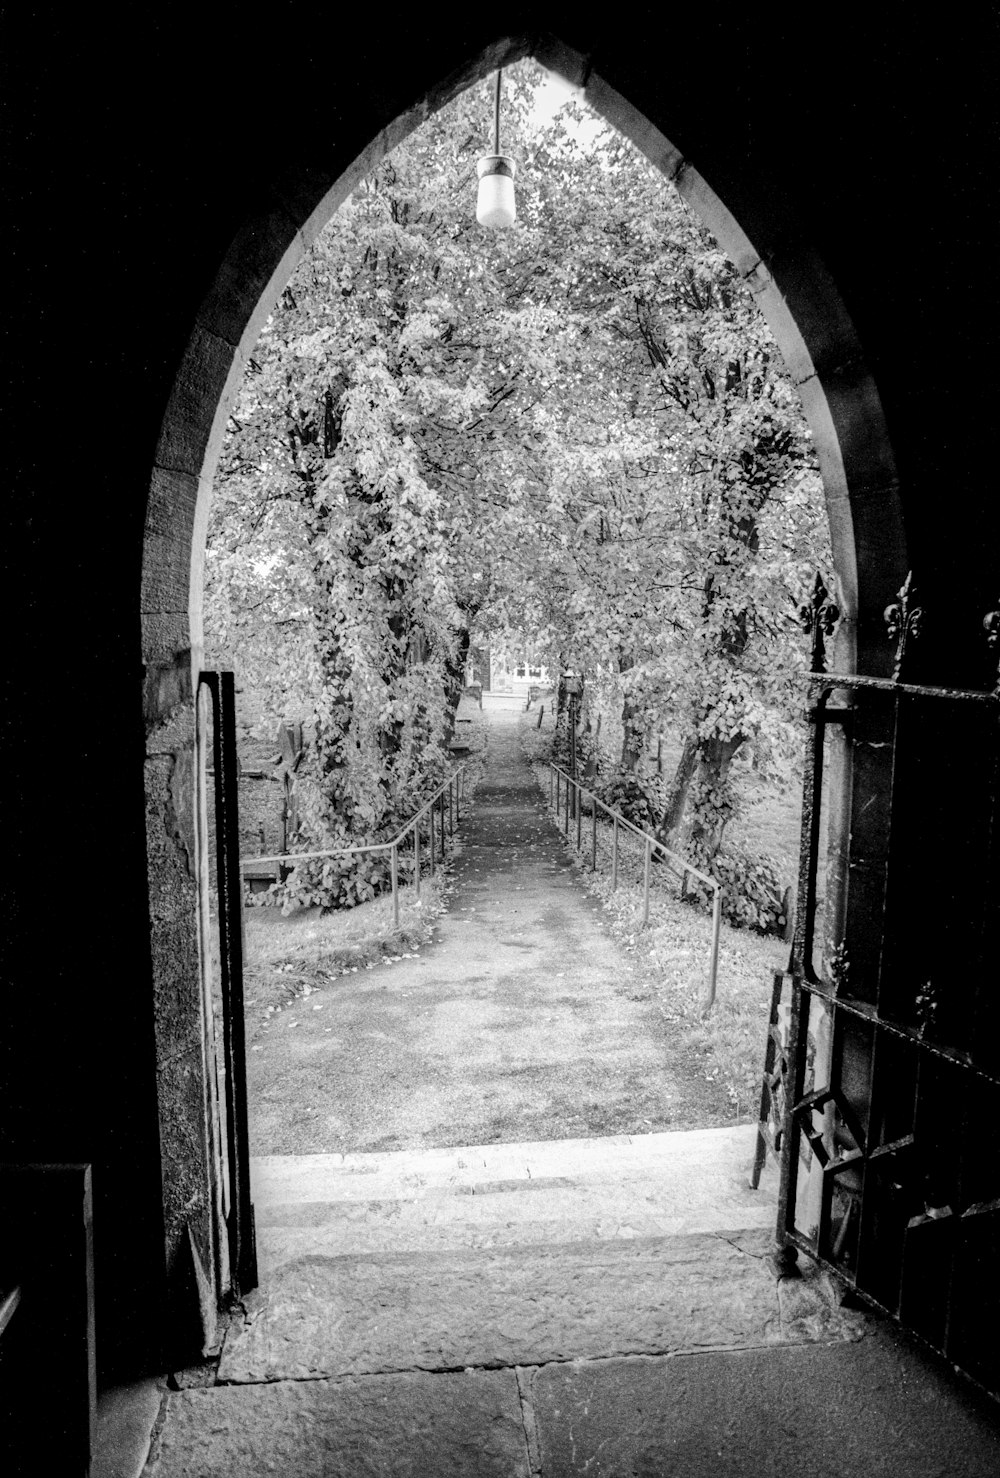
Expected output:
(496, 114)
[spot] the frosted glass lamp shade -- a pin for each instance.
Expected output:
(495, 202)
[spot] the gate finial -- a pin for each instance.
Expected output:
(818, 616)
(904, 620)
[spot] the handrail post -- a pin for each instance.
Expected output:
(551, 778)
(579, 815)
(430, 838)
(451, 811)
(394, 863)
(614, 857)
(713, 968)
(444, 853)
(593, 833)
(645, 884)
(416, 855)
(566, 820)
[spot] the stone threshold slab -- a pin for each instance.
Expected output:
(342, 1316)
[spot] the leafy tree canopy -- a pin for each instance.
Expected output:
(578, 429)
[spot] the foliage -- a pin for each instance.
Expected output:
(578, 430)
(636, 799)
(751, 889)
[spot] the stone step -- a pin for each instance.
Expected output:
(339, 1316)
(700, 1162)
(354, 1235)
(506, 1194)
(578, 1190)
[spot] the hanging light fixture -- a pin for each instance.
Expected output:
(495, 201)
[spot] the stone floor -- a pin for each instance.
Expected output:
(600, 1307)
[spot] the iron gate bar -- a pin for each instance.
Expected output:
(818, 715)
(869, 1013)
(788, 1165)
(886, 685)
(240, 1222)
(770, 1115)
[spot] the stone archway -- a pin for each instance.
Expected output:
(824, 357)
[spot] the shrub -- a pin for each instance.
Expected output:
(752, 895)
(636, 798)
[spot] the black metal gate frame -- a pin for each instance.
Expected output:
(806, 984)
(240, 1227)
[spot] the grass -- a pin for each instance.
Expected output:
(287, 956)
(728, 1043)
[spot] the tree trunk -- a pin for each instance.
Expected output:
(454, 668)
(701, 767)
(633, 733)
(680, 787)
(714, 762)
(632, 738)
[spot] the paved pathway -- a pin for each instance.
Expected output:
(524, 1020)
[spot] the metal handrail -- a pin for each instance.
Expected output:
(454, 787)
(651, 844)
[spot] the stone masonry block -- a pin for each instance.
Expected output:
(166, 572)
(849, 1410)
(414, 1425)
(173, 498)
(193, 424)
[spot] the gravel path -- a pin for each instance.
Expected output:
(522, 1021)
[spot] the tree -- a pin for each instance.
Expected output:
(577, 429)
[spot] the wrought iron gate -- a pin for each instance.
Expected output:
(890, 1105)
(238, 1208)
